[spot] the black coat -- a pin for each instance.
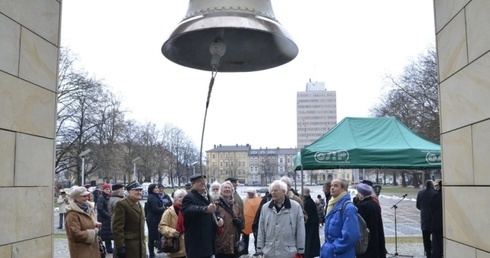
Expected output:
(153, 210)
(200, 228)
(436, 212)
(104, 217)
(423, 204)
(312, 246)
(371, 213)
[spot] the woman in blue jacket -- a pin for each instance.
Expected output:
(341, 227)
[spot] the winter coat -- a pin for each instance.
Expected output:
(63, 203)
(436, 212)
(225, 242)
(199, 225)
(112, 202)
(154, 210)
(423, 204)
(104, 217)
(128, 228)
(250, 207)
(167, 228)
(79, 225)
(281, 234)
(341, 231)
(312, 247)
(371, 213)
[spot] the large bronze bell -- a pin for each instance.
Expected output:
(230, 36)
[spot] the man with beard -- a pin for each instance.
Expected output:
(214, 191)
(199, 222)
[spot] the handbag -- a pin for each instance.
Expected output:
(170, 244)
(239, 249)
(102, 249)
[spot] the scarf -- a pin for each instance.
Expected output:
(180, 218)
(334, 201)
(83, 206)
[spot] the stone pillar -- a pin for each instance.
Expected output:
(29, 46)
(463, 45)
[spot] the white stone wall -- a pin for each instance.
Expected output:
(29, 46)
(463, 45)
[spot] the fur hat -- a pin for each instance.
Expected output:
(364, 189)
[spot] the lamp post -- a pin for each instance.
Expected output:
(134, 167)
(83, 164)
(194, 167)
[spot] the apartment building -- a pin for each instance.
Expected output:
(316, 112)
(250, 166)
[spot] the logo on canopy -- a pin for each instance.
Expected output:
(433, 158)
(332, 157)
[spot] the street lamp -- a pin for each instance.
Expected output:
(134, 167)
(194, 167)
(83, 164)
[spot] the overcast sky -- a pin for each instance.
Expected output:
(349, 45)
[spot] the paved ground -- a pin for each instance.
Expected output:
(407, 225)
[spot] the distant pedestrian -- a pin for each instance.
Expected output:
(341, 226)
(104, 217)
(128, 224)
(188, 187)
(63, 202)
(371, 213)
(199, 222)
(281, 232)
(436, 221)
(326, 191)
(320, 209)
(250, 206)
(312, 246)
(81, 225)
(423, 204)
(116, 195)
(255, 226)
(154, 209)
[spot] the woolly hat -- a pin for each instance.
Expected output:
(364, 189)
(105, 186)
(117, 187)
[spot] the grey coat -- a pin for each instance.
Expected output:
(281, 234)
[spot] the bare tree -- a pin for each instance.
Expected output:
(413, 100)
(413, 97)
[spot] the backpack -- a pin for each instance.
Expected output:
(362, 243)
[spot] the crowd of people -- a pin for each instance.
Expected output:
(209, 220)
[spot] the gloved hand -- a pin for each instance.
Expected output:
(238, 223)
(121, 253)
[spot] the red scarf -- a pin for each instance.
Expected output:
(180, 218)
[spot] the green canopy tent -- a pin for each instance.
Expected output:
(369, 143)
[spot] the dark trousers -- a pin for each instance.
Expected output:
(108, 246)
(62, 216)
(246, 239)
(427, 243)
(437, 245)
